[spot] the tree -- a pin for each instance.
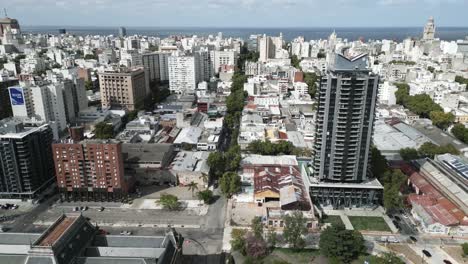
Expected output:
(192, 186)
(461, 80)
(409, 154)
(343, 245)
(460, 132)
(89, 85)
(295, 62)
(378, 163)
(216, 162)
(465, 249)
(206, 196)
(429, 150)
(103, 130)
(442, 120)
(230, 183)
(170, 202)
(393, 180)
(272, 238)
(238, 240)
(294, 228)
(257, 227)
(311, 79)
(255, 247)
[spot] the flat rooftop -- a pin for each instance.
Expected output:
(55, 232)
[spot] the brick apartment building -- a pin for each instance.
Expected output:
(90, 170)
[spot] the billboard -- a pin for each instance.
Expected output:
(16, 96)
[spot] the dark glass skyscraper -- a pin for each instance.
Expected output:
(345, 117)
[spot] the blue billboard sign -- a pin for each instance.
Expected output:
(16, 96)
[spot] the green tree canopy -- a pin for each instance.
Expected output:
(311, 79)
(238, 240)
(294, 228)
(460, 132)
(409, 154)
(393, 180)
(442, 120)
(343, 245)
(379, 163)
(465, 249)
(206, 196)
(257, 227)
(429, 150)
(230, 183)
(269, 148)
(170, 202)
(103, 130)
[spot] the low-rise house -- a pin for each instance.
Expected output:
(191, 166)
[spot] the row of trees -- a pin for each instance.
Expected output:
(461, 132)
(256, 244)
(224, 165)
(423, 105)
(427, 150)
(269, 148)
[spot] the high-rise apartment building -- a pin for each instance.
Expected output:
(164, 66)
(267, 47)
(429, 30)
(47, 102)
(183, 73)
(122, 32)
(5, 105)
(204, 65)
(345, 118)
(123, 88)
(26, 164)
(90, 170)
(151, 64)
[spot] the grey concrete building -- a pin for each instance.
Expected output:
(347, 99)
(72, 239)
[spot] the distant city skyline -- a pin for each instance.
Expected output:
(234, 13)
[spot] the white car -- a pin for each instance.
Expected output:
(126, 233)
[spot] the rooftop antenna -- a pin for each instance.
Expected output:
(5, 12)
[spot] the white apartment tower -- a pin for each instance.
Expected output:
(183, 73)
(429, 30)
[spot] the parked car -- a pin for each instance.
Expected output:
(76, 209)
(446, 261)
(101, 209)
(413, 238)
(427, 253)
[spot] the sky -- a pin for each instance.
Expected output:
(238, 13)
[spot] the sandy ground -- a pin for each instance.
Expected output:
(409, 253)
(456, 253)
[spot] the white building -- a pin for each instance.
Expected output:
(226, 57)
(387, 93)
(183, 75)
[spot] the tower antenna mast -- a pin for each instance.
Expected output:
(4, 11)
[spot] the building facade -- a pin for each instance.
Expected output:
(90, 170)
(26, 166)
(183, 75)
(124, 88)
(345, 118)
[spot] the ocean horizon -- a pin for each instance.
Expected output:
(289, 33)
